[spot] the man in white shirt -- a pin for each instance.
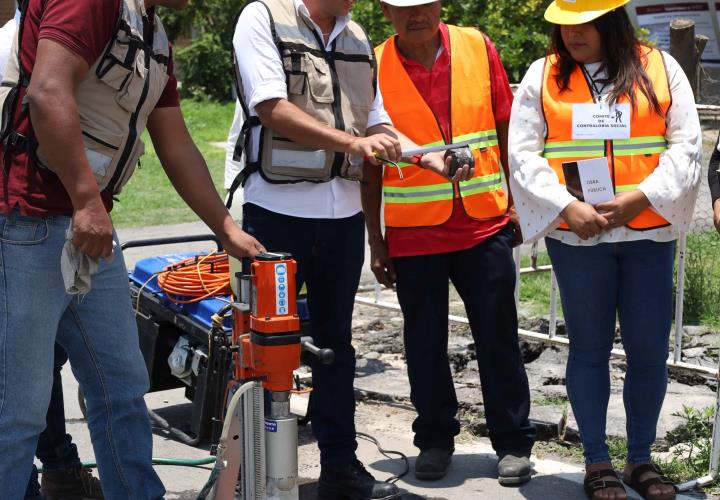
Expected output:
(307, 82)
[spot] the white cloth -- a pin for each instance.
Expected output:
(76, 267)
(7, 36)
(671, 188)
(263, 78)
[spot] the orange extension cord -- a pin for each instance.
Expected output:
(197, 278)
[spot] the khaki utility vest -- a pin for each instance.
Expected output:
(337, 87)
(114, 99)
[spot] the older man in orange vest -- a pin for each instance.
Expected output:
(446, 84)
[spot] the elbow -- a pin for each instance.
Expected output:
(266, 112)
(44, 97)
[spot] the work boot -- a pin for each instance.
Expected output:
(353, 482)
(74, 483)
(433, 463)
(514, 468)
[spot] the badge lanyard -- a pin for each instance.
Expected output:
(593, 84)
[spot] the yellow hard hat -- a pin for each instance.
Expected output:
(580, 11)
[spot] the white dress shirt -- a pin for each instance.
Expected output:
(263, 78)
(671, 188)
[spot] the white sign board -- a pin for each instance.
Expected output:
(655, 16)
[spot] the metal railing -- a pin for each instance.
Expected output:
(674, 361)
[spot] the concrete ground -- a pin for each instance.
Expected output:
(472, 474)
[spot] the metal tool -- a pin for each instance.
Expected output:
(267, 344)
(408, 153)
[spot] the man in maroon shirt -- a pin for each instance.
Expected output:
(475, 254)
(60, 42)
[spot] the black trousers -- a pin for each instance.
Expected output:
(330, 256)
(484, 276)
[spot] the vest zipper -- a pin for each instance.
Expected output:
(337, 96)
(337, 105)
(99, 141)
(132, 136)
(609, 150)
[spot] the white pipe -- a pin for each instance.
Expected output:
(517, 257)
(552, 328)
(680, 298)
(696, 483)
(542, 337)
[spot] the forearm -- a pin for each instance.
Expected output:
(384, 128)
(287, 120)
(57, 128)
(713, 176)
(502, 132)
(371, 193)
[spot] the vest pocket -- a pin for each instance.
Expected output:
(124, 70)
(319, 79)
(100, 149)
(357, 84)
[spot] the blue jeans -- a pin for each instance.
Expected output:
(330, 255)
(55, 448)
(633, 281)
(99, 334)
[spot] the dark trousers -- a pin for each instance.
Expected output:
(330, 255)
(55, 448)
(484, 277)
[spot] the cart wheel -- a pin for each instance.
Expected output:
(81, 401)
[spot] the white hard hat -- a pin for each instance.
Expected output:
(407, 3)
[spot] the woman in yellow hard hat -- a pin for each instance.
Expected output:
(605, 149)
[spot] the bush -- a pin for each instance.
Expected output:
(205, 67)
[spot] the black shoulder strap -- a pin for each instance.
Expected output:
(243, 141)
(10, 138)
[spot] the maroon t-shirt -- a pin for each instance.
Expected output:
(85, 27)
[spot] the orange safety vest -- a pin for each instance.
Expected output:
(423, 198)
(630, 160)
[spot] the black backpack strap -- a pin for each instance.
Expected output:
(243, 141)
(243, 144)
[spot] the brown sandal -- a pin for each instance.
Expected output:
(643, 487)
(594, 482)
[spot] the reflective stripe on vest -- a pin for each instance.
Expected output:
(630, 160)
(422, 198)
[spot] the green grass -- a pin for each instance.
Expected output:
(557, 401)
(535, 289)
(149, 199)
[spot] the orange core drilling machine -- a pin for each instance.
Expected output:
(257, 455)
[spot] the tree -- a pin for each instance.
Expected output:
(516, 27)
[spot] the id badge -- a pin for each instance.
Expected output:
(601, 121)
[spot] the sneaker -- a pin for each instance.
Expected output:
(353, 482)
(514, 468)
(75, 483)
(432, 464)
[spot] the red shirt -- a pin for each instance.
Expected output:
(85, 27)
(460, 231)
